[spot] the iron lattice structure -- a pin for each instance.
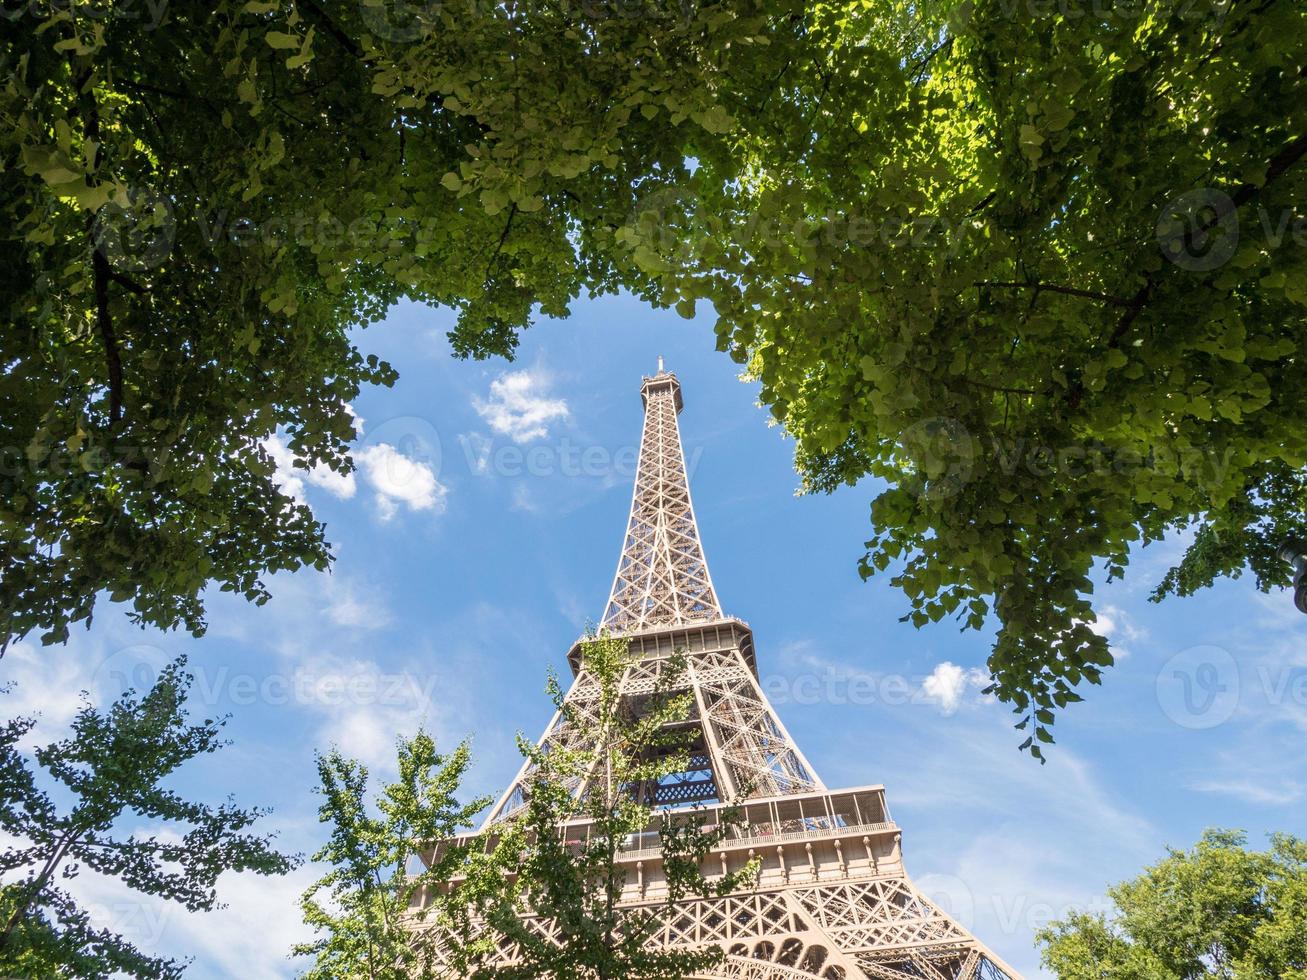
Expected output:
(662, 577)
(833, 899)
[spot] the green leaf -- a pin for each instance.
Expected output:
(716, 120)
(1032, 142)
(282, 41)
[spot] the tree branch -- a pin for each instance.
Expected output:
(977, 384)
(1276, 167)
(1007, 391)
(101, 276)
(331, 27)
(38, 885)
(1043, 287)
(104, 320)
(929, 56)
(983, 202)
(126, 282)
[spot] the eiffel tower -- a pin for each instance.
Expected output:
(833, 899)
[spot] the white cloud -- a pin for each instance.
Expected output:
(948, 683)
(252, 936)
(354, 611)
(365, 734)
(396, 478)
(1104, 625)
(808, 655)
(358, 419)
(361, 706)
(307, 602)
(1115, 625)
(477, 447)
(249, 937)
(1280, 793)
(518, 406)
(46, 685)
(525, 500)
(291, 478)
(363, 713)
(399, 480)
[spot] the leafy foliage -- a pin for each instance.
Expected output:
(1037, 267)
(1032, 266)
(200, 201)
(113, 766)
(1218, 910)
(361, 904)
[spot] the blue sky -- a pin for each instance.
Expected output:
(481, 533)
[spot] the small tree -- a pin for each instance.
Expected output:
(113, 765)
(573, 887)
(1218, 910)
(369, 890)
(483, 894)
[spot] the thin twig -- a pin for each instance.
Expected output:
(1044, 287)
(503, 237)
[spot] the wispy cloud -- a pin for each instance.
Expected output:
(1277, 792)
(249, 936)
(1014, 859)
(1117, 626)
(353, 606)
(519, 406)
(362, 708)
(524, 500)
(46, 684)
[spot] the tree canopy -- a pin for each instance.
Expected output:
(1218, 910)
(198, 206)
(113, 769)
(1037, 266)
